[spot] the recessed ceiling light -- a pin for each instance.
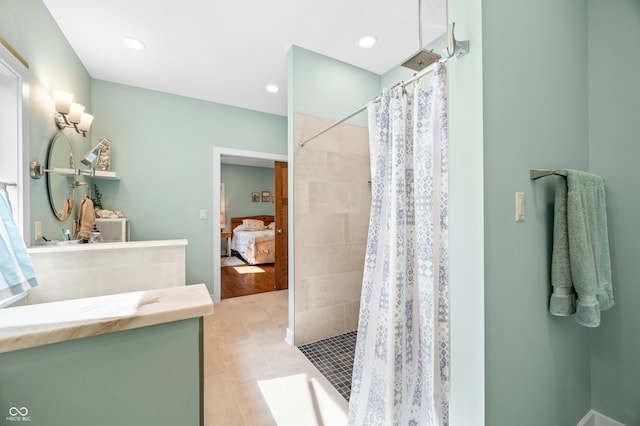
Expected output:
(134, 43)
(272, 88)
(367, 41)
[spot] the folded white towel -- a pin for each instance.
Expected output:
(16, 271)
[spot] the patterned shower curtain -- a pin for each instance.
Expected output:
(401, 367)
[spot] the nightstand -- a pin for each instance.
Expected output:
(226, 235)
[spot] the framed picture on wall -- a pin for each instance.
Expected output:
(255, 197)
(266, 196)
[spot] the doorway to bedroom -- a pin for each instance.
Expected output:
(250, 255)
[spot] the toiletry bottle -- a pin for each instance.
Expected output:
(96, 236)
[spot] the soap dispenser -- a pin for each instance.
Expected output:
(96, 236)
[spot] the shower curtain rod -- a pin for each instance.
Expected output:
(416, 76)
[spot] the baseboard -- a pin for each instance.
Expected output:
(593, 418)
(289, 337)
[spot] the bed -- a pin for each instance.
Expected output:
(256, 246)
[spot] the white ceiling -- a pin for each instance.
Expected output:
(228, 51)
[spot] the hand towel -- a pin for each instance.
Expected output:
(16, 271)
(563, 299)
(587, 256)
(68, 207)
(86, 218)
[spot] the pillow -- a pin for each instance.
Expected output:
(271, 226)
(253, 225)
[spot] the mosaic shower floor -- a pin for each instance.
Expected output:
(333, 357)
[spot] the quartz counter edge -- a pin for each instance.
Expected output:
(105, 246)
(41, 324)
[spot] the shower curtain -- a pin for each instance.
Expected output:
(401, 366)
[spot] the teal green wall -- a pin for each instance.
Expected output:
(162, 144)
(240, 182)
(535, 116)
(327, 88)
(614, 93)
(146, 376)
(162, 147)
(466, 219)
(53, 65)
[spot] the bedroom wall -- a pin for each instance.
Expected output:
(614, 90)
(240, 182)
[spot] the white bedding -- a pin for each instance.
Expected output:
(256, 247)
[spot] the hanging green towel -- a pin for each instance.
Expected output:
(581, 249)
(563, 299)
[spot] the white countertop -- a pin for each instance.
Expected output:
(105, 246)
(34, 325)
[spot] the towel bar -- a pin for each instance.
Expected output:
(538, 173)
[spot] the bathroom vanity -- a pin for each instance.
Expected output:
(132, 358)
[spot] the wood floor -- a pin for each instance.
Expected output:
(246, 279)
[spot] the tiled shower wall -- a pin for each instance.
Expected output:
(332, 203)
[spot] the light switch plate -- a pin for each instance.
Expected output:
(203, 214)
(38, 230)
(519, 206)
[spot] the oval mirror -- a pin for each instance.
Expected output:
(58, 184)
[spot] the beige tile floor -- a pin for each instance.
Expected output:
(252, 377)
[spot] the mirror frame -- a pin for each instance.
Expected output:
(49, 175)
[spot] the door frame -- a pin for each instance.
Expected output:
(218, 153)
(17, 69)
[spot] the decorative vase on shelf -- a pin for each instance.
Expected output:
(104, 162)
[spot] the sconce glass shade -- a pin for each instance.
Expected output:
(75, 114)
(85, 122)
(62, 101)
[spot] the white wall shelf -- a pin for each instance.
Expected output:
(87, 173)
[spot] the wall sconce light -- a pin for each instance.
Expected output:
(70, 114)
